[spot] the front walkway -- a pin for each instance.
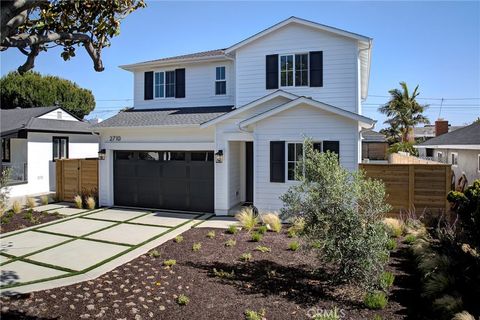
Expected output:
(83, 246)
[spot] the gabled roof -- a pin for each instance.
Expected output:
(189, 116)
(469, 135)
(364, 121)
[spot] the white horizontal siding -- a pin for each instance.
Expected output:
(292, 126)
(340, 82)
(199, 87)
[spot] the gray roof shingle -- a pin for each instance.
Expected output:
(373, 136)
(466, 135)
(202, 54)
(164, 117)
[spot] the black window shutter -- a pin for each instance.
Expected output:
(179, 83)
(277, 161)
(316, 69)
(332, 146)
(272, 71)
(148, 86)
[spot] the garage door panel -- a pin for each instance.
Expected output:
(148, 169)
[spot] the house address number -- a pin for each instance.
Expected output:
(115, 138)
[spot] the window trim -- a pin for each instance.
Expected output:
(293, 69)
(9, 150)
(221, 80)
(452, 156)
(67, 150)
(164, 84)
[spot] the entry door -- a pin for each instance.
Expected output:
(249, 171)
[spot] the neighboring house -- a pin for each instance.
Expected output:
(460, 148)
(210, 131)
(374, 145)
(422, 134)
(33, 138)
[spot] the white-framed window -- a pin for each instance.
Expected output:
(220, 81)
(295, 154)
(440, 156)
(60, 148)
(164, 84)
(294, 70)
(454, 158)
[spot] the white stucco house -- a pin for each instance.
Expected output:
(213, 130)
(33, 138)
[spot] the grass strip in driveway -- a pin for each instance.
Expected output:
(101, 262)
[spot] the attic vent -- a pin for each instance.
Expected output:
(59, 115)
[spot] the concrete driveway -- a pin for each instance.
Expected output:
(84, 246)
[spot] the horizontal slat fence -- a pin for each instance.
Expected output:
(74, 176)
(416, 187)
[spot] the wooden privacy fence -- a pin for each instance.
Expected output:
(75, 176)
(413, 186)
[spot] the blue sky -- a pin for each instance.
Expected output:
(433, 44)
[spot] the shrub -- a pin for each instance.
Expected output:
(232, 229)
(246, 257)
(223, 274)
(31, 202)
(254, 315)
(326, 314)
(464, 315)
(294, 245)
(448, 305)
(272, 221)
(16, 207)
(435, 284)
(247, 219)
(196, 246)
(30, 217)
(4, 189)
(183, 300)
(409, 239)
(230, 243)
(394, 227)
(262, 249)
(211, 234)
(154, 253)
(386, 280)
(44, 200)
(404, 147)
(296, 228)
(262, 229)
(178, 239)
(342, 209)
(90, 202)
(256, 237)
(377, 317)
(391, 244)
(169, 263)
(375, 300)
(77, 200)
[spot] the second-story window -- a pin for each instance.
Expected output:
(301, 70)
(169, 84)
(220, 81)
(286, 71)
(159, 85)
(164, 84)
(294, 73)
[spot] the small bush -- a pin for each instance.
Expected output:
(16, 207)
(254, 315)
(230, 243)
(31, 202)
(409, 239)
(391, 244)
(272, 221)
(328, 315)
(29, 216)
(77, 200)
(294, 245)
(169, 263)
(262, 229)
(431, 262)
(248, 220)
(44, 200)
(377, 317)
(291, 234)
(183, 300)
(262, 249)
(246, 257)
(90, 202)
(178, 239)
(223, 274)
(464, 315)
(297, 227)
(448, 304)
(435, 284)
(196, 246)
(316, 244)
(375, 300)
(394, 227)
(386, 280)
(154, 253)
(256, 237)
(211, 234)
(232, 229)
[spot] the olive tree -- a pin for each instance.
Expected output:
(343, 213)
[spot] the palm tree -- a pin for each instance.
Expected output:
(404, 111)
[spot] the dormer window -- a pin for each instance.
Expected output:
(220, 81)
(164, 84)
(294, 70)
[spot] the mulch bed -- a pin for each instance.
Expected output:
(13, 222)
(285, 283)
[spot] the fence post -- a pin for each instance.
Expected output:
(411, 186)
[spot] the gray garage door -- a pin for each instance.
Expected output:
(179, 180)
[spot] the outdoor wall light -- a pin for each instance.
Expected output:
(219, 156)
(101, 154)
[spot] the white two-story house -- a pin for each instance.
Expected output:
(213, 130)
